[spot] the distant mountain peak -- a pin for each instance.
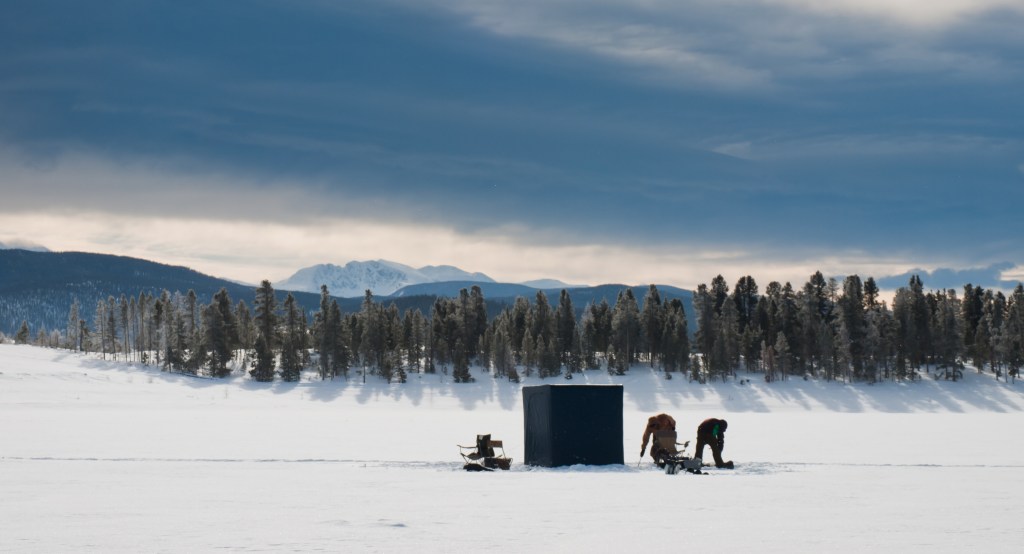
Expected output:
(381, 277)
(550, 284)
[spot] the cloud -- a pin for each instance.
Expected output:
(998, 276)
(17, 243)
(759, 46)
(250, 251)
(780, 136)
(914, 13)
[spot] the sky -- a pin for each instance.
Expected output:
(595, 141)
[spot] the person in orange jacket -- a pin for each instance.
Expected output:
(711, 432)
(660, 422)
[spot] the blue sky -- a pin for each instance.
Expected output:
(589, 141)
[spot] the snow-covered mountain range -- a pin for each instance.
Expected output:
(382, 277)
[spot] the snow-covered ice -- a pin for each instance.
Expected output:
(108, 457)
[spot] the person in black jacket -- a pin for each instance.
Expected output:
(711, 432)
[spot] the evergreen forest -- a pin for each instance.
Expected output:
(826, 329)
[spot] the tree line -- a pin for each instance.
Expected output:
(844, 331)
(826, 329)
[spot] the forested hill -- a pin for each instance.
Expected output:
(40, 287)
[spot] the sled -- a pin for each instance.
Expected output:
(671, 458)
(482, 456)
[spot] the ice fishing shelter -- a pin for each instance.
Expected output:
(572, 424)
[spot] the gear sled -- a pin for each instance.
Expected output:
(673, 459)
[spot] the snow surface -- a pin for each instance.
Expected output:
(105, 457)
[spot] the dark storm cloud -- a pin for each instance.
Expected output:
(665, 123)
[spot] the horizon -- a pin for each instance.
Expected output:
(940, 280)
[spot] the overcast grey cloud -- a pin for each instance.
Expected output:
(846, 136)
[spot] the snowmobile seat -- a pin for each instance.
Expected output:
(483, 456)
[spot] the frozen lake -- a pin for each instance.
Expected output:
(106, 457)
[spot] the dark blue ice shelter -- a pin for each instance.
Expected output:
(572, 424)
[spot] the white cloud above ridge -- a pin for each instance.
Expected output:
(219, 224)
(762, 46)
(251, 251)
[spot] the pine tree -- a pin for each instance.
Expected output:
(191, 313)
(502, 357)
(21, 337)
(340, 351)
(973, 309)
(565, 323)
(266, 333)
(110, 326)
(588, 339)
(675, 342)
(626, 331)
(853, 326)
(652, 323)
(1013, 332)
(703, 304)
(157, 323)
(747, 302)
(477, 318)
(727, 342)
(74, 342)
(460, 363)
(783, 358)
(946, 333)
(100, 324)
(373, 342)
(323, 334)
(292, 341)
(42, 337)
(220, 330)
(124, 308)
(816, 315)
(518, 326)
(529, 349)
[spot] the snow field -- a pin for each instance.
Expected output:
(103, 457)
